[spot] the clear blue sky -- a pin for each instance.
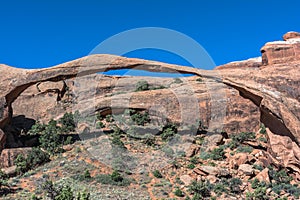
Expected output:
(36, 34)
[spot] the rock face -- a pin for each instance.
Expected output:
(235, 97)
(282, 51)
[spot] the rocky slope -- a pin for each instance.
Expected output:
(233, 98)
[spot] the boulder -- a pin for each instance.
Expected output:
(246, 169)
(291, 35)
(8, 156)
(186, 179)
(263, 176)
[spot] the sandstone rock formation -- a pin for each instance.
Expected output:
(253, 92)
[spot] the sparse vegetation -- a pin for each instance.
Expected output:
(65, 192)
(200, 189)
(3, 179)
(178, 193)
(140, 118)
(141, 86)
(177, 81)
(35, 158)
(112, 179)
(157, 174)
(168, 131)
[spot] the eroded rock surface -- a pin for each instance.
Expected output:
(251, 93)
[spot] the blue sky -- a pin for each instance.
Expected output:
(37, 34)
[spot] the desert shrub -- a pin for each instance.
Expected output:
(199, 80)
(194, 160)
(116, 140)
(112, 179)
(243, 136)
(67, 123)
(116, 176)
(34, 197)
(37, 128)
(141, 118)
(21, 164)
(238, 139)
(191, 166)
(37, 157)
(3, 179)
(100, 125)
(83, 196)
(69, 140)
(86, 176)
(279, 176)
(34, 158)
(200, 189)
(64, 192)
(50, 140)
(178, 193)
(258, 167)
(234, 185)
(141, 86)
(262, 129)
(157, 174)
(109, 118)
(177, 81)
(281, 182)
(244, 149)
(259, 193)
(149, 140)
(168, 131)
(220, 188)
(215, 154)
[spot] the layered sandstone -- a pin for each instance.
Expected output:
(248, 92)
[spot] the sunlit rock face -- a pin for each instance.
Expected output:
(263, 90)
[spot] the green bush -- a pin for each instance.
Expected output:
(109, 118)
(116, 140)
(244, 149)
(157, 174)
(215, 154)
(21, 164)
(234, 185)
(37, 128)
(178, 193)
(37, 157)
(64, 192)
(141, 118)
(3, 179)
(200, 189)
(177, 81)
(199, 80)
(168, 131)
(141, 86)
(50, 139)
(259, 193)
(100, 125)
(243, 136)
(262, 129)
(220, 188)
(112, 179)
(191, 166)
(34, 158)
(67, 123)
(116, 176)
